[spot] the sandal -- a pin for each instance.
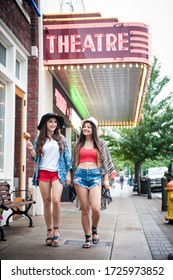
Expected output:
(49, 238)
(55, 239)
(95, 240)
(87, 243)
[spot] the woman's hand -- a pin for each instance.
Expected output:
(29, 146)
(106, 182)
(68, 178)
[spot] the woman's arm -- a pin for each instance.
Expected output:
(106, 181)
(68, 163)
(31, 147)
(110, 165)
(67, 156)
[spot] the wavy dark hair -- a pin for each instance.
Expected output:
(81, 142)
(43, 136)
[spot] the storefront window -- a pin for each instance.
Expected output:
(17, 69)
(2, 55)
(2, 118)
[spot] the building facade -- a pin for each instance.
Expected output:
(19, 86)
(84, 82)
(27, 91)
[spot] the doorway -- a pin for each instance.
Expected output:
(19, 167)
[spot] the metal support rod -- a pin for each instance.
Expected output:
(34, 6)
(149, 188)
(164, 194)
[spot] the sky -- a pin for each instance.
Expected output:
(155, 13)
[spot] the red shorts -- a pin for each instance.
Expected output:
(47, 176)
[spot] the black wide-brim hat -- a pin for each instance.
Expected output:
(48, 116)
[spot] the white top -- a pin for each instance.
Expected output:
(50, 157)
(122, 174)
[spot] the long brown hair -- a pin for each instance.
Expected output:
(43, 136)
(81, 143)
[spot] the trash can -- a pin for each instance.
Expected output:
(144, 185)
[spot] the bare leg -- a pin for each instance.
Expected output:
(95, 201)
(56, 204)
(57, 189)
(82, 194)
(45, 189)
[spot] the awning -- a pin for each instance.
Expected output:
(103, 65)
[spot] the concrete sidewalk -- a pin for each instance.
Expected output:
(132, 227)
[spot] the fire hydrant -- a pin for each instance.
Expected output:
(169, 189)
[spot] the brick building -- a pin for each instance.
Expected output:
(19, 85)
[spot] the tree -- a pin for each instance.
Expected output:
(153, 136)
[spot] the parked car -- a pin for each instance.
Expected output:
(156, 174)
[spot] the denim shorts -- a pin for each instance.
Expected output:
(87, 178)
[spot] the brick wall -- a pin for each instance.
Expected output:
(32, 112)
(27, 34)
(12, 16)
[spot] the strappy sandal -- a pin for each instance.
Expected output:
(87, 243)
(95, 240)
(56, 239)
(49, 238)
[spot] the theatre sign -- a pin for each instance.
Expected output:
(104, 65)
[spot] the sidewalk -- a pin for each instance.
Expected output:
(132, 227)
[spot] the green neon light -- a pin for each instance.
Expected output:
(78, 101)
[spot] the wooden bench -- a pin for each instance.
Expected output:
(6, 203)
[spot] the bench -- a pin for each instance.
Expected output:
(6, 203)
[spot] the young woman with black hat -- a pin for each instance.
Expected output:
(53, 170)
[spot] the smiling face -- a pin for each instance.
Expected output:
(51, 125)
(87, 129)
